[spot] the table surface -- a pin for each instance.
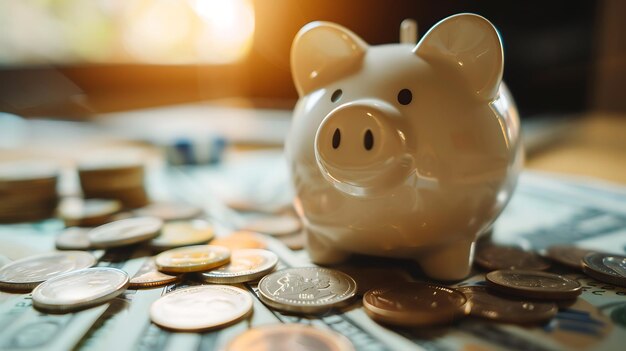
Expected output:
(594, 146)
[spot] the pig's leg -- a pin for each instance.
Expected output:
(321, 252)
(448, 262)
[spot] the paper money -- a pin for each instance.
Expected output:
(544, 211)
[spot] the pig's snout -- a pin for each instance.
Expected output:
(360, 147)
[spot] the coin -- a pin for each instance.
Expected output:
(183, 233)
(493, 257)
(617, 264)
(200, 308)
(306, 289)
(605, 267)
(485, 304)
(245, 265)
(414, 304)
(17, 174)
(192, 259)
(294, 241)
(80, 289)
(26, 273)
(28, 191)
(125, 232)
(110, 174)
(241, 240)
(148, 276)
(169, 211)
(289, 337)
(534, 284)
(87, 212)
(73, 238)
(4, 260)
(567, 255)
(368, 278)
(275, 225)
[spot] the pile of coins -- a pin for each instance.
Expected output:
(517, 289)
(122, 181)
(28, 191)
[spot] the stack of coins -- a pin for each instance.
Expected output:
(28, 191)
(123, 181)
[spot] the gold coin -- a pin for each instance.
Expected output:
(245, 265)
(414, 304)
(501, 308)
(241, 240)
(275, 225)
(148, 276)
(534, 284)
(188, 259)
(183, 233)
(289, 337)
(200, 308)
(368, 278)
(100, 174)
(493, 257)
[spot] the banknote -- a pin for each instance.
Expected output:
(545, 210)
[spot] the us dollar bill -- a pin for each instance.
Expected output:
(544, 211)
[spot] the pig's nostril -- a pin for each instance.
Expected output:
(336, 138)
(368, 140)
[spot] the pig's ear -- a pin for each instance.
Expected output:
(471, 45)
(323, 52)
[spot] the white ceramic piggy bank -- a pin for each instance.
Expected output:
(402, 150)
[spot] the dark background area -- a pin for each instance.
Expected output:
(551, 56)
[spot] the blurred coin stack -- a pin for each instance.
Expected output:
(28, 191)
(111, 180)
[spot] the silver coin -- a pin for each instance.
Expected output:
(200, 308)
(80, 289)
(605, 267)
(306, 289)
(27, 273)
(4, 260)
(245, 265)
(617, 264)
(74, 238)
(125, 232)
(169, 211)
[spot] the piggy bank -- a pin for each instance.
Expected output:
(402, 150)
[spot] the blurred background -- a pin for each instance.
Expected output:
(77, 60)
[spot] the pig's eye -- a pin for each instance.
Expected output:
(336, 95)
(405, 96)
